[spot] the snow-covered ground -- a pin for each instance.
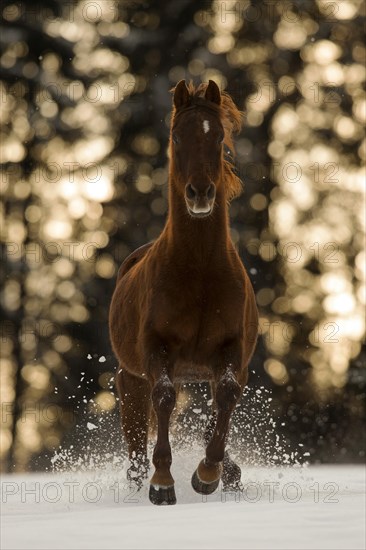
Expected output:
(305, 508)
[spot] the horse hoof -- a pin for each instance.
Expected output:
(232, 487)
(231, 477)
(162, 495)
(135, 481)
(204, 488)
(138, 472)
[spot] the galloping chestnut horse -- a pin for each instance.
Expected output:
(184, 309)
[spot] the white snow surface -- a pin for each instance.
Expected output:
(315, 507)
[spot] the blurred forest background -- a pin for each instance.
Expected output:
(85, 110)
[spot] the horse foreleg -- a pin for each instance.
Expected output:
(162, 482)
(135, 405)
(206, 478)
(231, 474)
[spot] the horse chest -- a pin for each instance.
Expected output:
(198, 316)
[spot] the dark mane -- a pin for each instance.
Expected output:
(231, 119)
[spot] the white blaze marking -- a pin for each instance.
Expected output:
(206, 126)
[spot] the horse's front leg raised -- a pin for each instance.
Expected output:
(163, 398)
(230, 384)
(231, 474)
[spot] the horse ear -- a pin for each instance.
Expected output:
(213, 93)
(181, 94)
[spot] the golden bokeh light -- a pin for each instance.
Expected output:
(84, 128)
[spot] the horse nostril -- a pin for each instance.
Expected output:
(210, 193)
(191, 192)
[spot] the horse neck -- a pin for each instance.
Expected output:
(197, 240)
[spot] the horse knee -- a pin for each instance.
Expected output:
(163, 396)
(228, 391)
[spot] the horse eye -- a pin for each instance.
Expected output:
(175, 138)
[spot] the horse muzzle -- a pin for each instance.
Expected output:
(200, 199)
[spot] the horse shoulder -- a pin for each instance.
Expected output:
(133, 259)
